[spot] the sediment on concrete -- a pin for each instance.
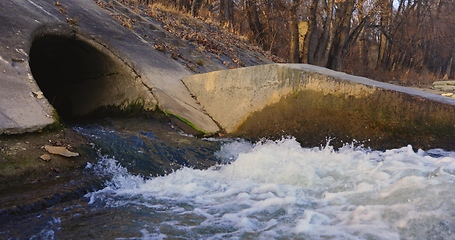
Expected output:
(315, 104)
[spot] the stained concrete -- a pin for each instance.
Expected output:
(315, 104)
(114, 67)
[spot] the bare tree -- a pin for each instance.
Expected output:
(384, 35)
(294, 53)
(227, 12)
(255, 24)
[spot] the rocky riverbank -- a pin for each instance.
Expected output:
(24, 159)
(32, 178)
(150, 145)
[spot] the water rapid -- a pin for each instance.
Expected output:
(279, 190)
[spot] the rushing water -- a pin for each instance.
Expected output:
(269, 190)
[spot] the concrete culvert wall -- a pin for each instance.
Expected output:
(312, 104)
(80, 78)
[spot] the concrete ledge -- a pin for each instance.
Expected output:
(313, 103)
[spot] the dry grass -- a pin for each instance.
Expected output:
(205, 35)
(409, 78)
(398, 76)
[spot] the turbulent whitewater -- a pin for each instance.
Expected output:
(279, 190)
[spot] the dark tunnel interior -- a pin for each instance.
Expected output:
(73, 75)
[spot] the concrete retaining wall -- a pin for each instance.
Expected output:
(313, 104)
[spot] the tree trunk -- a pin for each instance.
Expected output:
(344, 16)
(386, 15)
(227, 12)
(255, 24)
(323, 46)
(195, 6)
(294, 32)
(311, 37)
(449, 69)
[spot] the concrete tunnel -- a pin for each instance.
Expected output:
(81, 79)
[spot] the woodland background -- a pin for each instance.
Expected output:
(407, 42)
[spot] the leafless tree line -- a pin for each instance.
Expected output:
(386, 35)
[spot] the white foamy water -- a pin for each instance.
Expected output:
(279, 190)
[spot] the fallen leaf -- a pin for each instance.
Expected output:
(62, 151)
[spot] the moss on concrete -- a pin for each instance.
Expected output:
(383, 120)
(124, 109)
(186, 125)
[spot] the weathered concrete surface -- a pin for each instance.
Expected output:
(141, 74)
(313, 103)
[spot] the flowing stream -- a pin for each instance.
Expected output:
(263, 190)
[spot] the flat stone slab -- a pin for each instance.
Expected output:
(444, 86)
(444, 83)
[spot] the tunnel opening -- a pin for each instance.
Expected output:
(81, 81)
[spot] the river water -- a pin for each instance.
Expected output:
(263, 190)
